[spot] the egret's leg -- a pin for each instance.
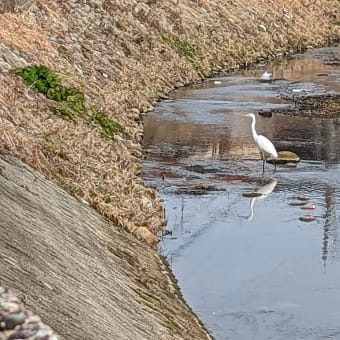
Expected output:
(264, 161)
(274, 166)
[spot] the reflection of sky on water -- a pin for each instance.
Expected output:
(249, 267)
(267, 269)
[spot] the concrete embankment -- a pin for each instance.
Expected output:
(86, 278)
(79, 268)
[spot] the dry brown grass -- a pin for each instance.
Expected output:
(114, 52)
(14, 5)
(13, 26)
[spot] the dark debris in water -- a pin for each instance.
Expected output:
(201, 169)
(197, 190)
(252, 194)
(296, 203)
(333, 61)
(169, 175)
(235, 178)
(312, 106)
(302, 198)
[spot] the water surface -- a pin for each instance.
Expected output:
(249, 267)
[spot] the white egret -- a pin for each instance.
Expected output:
(266, 76)
(265, 146)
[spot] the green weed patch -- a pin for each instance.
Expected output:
(70, 102)
(45, 81)
(181, 47)
(109, 127)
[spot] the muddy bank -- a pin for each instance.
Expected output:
(85, 277)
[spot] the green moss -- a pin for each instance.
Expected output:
(75, 191)
(108, 200)
(64, 111)
(49, 147)
(181, 47)
(109, 127)
(45, 81)
(70, 102)
(39, 77)
(119, 25)
(71, 108)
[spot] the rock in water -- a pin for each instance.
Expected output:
(285, 157)
(307, 218)
(252, 194)
(266, 113)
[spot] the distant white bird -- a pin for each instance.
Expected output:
(266, 76)
(265, 146)
(300, 90)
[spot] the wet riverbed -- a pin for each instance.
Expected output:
(251, 268)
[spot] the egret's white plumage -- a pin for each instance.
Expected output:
(265, 146)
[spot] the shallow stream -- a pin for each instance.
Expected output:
(250, 267)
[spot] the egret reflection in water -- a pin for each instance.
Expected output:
(265, 190)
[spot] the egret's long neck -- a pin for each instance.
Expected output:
(253, 131)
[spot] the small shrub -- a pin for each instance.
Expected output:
(109, 127)
(181, 47)
(119, 24)
(72, 107)
(108, 200)
(49, 147)
(62, 93)
(64, 111)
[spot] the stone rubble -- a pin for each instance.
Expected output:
(17, 323)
